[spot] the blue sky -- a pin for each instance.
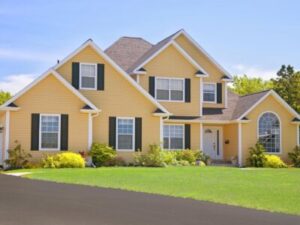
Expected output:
(252, 37)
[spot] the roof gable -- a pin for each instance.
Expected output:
(49, 72)
(90, 43)
(160, 46)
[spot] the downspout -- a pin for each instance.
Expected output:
(90, 129)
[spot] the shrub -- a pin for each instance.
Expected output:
(273, 161)
(257, 155)
(170, 157)
(295, 156)
(101, 154)
(17, 157)
(116, 161)
(184, 163)
(200, 156)
(153, 158)
(187, 155)
(64, 160)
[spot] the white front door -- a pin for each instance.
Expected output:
(1, 147)
(212, 142)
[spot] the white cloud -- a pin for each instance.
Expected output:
(26, 55)
(253, 71)
(14, 83)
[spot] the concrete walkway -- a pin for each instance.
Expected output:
(30, 202)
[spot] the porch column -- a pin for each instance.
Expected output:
(240, 152)
(161, 132)
(90, 130)
(201, 136)
(7, 128)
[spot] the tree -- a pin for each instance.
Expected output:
(4, 96)
(287, 85)
(245, 85)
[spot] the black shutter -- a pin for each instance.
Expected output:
(35, 129)
(152, 86)
(219, 92)
(75, 75)
(187, 136)
(64, 132)
(138, 134)
(112, 132)
(187, 88)
(100, 77)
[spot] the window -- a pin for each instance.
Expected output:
(269, 132)
(49, 132)
(173, 137)
(125, 133)
(88, 76)
(209, 92)
(169, 89)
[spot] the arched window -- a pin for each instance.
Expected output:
(269, 132)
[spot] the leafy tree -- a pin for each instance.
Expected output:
(287, 85)
(4, 96)
(245, 85)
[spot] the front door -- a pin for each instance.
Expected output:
(212, 142)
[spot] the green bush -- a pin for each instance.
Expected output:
(169, 157)
(116, 161)
(273, 161)
(183, 163)
(187, 155)
(295, 156)
(64, 160)
(17, 157)
(153, 158)
(200, 156)
(257, 155)
(102, 154)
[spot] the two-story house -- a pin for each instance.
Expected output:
(135, 94)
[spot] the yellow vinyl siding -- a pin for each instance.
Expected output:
(119, 99)
(170, 63)
(230, 133)
(205, 63)
(49, 96)
(288, 130)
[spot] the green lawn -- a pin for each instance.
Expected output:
(275, 190)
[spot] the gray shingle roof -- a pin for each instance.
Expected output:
(237, 106)
(127, 50)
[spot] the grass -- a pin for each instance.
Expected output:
(276, 190)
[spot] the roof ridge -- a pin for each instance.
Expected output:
(259, 92)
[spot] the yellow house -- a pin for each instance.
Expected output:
(135, 94)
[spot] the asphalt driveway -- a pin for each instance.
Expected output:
(24, 201)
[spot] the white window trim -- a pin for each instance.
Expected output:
(133, 135)
(280, 132)
(40, 133)
(183, 138)
(170, 78)
(215, 100)
(96, 77)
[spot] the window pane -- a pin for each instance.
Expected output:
(88, 75)
(176, 95)
(209, 92)
(125, 133)
(269, 132)
(166, 143)
(162, 84)
(125, 142)
(162, 94)
(209, 97)
(88, 82)
(176, 85)
(49, 132)
(88, 70)
(176, 143)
